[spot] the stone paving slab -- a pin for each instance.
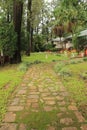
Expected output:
(39, 91)
(84, 127)
(9, 126)
(9, 117)
(79, 116)
(66, 121)
(69, 128)
(15, 108)
(22, 127)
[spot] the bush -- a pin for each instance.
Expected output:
(73, 62)
(8, 39)
(85, 59)
(24, 66)
(39, 42)
(65, 72)
(83, 75)
(59, 66)
(37, 62)
(62, 70)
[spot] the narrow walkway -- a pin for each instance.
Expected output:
(42, 103)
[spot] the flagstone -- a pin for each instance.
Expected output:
(50, 102)
(22, 92)
(33, 96)
(51, 128)
(22, 127)
(48, 108)
(32, 100)
(15, 108)
(63, 109)
(69, 128)
(15, 101)
(8, 126)
(84, 127)
(66, 121)
(59, 98)
(72, 107)
(47, 95)
(9, 117)
(62, 103)
(79, 116)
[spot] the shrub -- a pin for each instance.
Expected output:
(62, 70)
(83, 75)
(73, 62)
(37, 62)
(8, 39)
(85, 59)
(24, 66)
(59, 66)
(65, 72)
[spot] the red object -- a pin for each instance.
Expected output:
(86, 52)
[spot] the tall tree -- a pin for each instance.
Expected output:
(70, 15)
(17, 19)
(33, 20)
(29, 27)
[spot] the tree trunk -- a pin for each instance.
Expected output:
(32, 46)
(29, 28)
(17, 19)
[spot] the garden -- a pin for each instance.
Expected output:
(71, 72)
(43, 64)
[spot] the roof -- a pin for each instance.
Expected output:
(58, 39)
(82, 33)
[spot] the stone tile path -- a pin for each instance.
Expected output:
(42, 86)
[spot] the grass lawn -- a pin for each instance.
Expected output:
(10, 77)
(44, 57)
(74, 78)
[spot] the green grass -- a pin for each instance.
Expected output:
(36, 120)
(10, 77)
(44, 57)
(75, 84)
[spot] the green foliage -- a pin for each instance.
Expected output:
(84, 75)
(24, 66)
(24, 40)
(62, 70)
(85, 59)
(37, 62)
(7, 39)
(65, 72)
(39, 42)
(59, 66)
(75, 41)
(50, 47)
(71, 14)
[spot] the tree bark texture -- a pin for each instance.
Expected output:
(17, 19)
(29, 27)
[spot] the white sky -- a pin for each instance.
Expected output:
(48, 0)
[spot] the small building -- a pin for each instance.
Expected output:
(82, 39)
(61, 43)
